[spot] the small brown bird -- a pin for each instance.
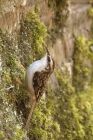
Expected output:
(37, 76)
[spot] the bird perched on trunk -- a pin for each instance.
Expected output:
(37, 76)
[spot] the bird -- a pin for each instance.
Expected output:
(37, 75)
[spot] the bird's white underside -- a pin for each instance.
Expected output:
(38, 65)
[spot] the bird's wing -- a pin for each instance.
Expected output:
(39, 82)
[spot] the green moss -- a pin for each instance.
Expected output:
(74, 111)
(82, 63)
(82, 111)
(64, 114)
(32, 36)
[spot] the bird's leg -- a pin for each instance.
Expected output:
(30, 113)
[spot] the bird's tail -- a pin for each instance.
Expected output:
(30, 115)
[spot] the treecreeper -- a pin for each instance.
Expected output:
(37, 75)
